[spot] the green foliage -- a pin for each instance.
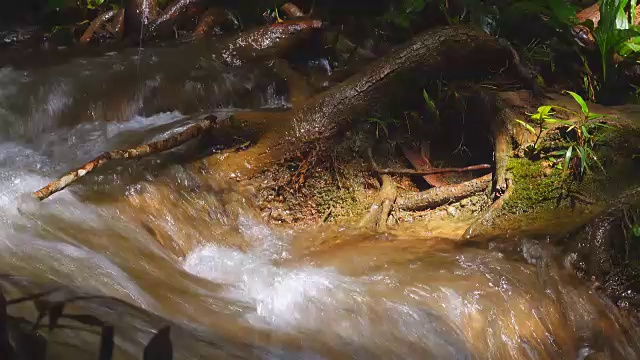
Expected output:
(580, 131)
(616, 33)
(431, 105)
(635, 230)
(382, 124)
(559, 12)
(87, 4)
(401, 14)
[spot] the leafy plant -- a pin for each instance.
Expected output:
(559, 12)
(382, 124)
(616, 32)
(402, 14)
(580, 135)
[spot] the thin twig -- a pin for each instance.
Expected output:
(171, 142)
(379, 170)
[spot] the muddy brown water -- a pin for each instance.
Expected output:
(168, 246)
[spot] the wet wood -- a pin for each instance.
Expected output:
(139, 14)
(173, 15)
(266, 41)
(171, 142)
(444, 194)
(209, 21)
(292, 10)
(99, 21)
(117, 25)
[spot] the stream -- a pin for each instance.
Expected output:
(165, 245)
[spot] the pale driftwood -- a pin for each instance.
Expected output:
(171, 142)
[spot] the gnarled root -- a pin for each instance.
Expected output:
(488, 218)
(442, 195)
(379, 212)
(182, 137)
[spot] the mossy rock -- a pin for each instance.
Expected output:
(536, 186)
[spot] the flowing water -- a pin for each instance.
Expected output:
(190, 251)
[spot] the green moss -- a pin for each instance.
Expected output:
(535, 186)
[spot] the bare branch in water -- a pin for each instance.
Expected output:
(169, 143)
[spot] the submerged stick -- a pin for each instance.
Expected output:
(171, 142)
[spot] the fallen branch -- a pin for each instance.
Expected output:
(444, 194)
(171, 142)
(424, 172)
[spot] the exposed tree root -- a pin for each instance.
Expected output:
(488, 218)
(139, 14)
(209, 21)
(182, 137)
(420, 161)
(502, 147)
(270, 41)
(292, 10)
(379, 212)
(117, 25)
(458, 51)
(173, 14)
(455, 50)
(95, 25)
(444, 194)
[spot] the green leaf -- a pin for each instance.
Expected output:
(527, 126)
(92, 4)
(580, 101)
(431, 106)
(567, 157)
(635, 229)
(583, 159)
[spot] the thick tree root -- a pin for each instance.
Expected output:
(444, 194)
(379, 212)
(117, 25)
(182, 137)
(488, 218)
(502, 147)
(173, 15)
(95, 25)
(292, 10)
(209, 21)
